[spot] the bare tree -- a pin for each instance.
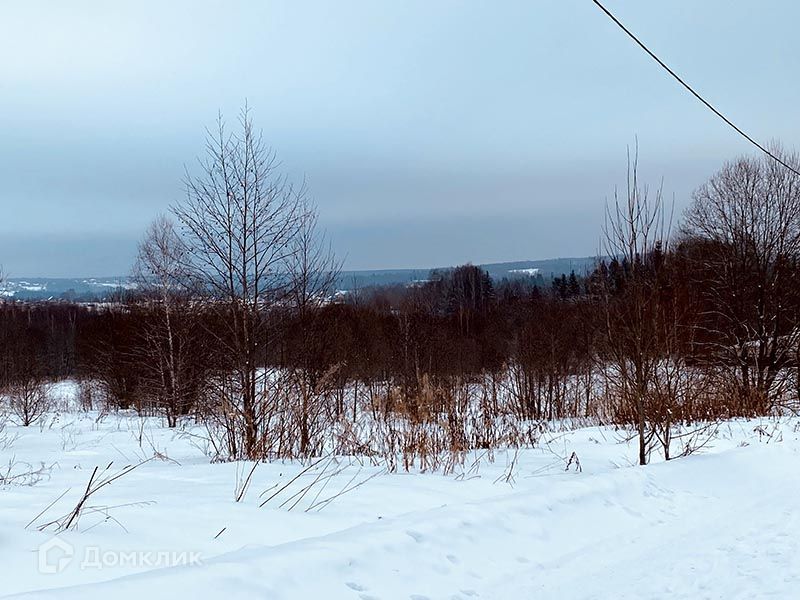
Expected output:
(636, 233)
(746, 223)
(313, 271)
(240, 220)
(312, 265)
(169, 333)
(160, 268)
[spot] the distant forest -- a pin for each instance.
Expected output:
(108, 289)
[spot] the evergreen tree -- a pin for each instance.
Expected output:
(573, 286)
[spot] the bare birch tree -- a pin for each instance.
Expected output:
(240, 219)
(169, 334)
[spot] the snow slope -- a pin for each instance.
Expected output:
(719, 525)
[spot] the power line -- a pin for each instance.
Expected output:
(691, 90)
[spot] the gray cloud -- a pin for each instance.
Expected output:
(430, 133)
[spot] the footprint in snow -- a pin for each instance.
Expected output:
(416, 536)
(355, 587)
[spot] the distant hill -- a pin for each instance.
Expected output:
(548, 269)
(99, 288)
(49, 288)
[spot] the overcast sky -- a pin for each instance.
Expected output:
(431, 133)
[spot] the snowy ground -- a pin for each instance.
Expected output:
(722, 524)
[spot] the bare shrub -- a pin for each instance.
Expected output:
(7, 438)
(17, 473)
(28, 400)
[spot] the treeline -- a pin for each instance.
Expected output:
(583, 347)
(40, 338)
(237, 325)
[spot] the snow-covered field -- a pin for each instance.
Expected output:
(720, 524)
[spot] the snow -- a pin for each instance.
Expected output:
(531, 272)
(721, 524)
(116, 284)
